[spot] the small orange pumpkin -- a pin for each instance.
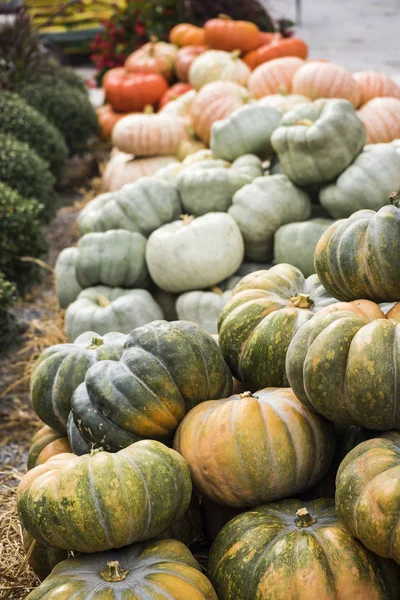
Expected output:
(107, 118)
(325, 80)
(131, 92)
(274, 77)
(184, 59)
(373, 84)
(226, 34)
(276, 49)
(381, 119)
(186, 34)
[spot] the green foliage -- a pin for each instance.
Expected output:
(8, 321)
(70, 77)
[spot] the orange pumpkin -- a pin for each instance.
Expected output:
(154, 57)
(186, 34)
(375, 85)
(226, 34)
(276, 49)
(381, 119)
(131, 92)
(325, 80)
(267, 38)
(107, 118)
(184, 59)
(124, 168)
(148, 135)
(274, 77)
(174, 92)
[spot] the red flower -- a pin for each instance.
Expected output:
(139, 29)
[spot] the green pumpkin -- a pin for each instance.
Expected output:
(115, 258)
(61, 368)
(42, 558)
(247, 130)
(358, 257)
(104, 309)
(146, 571)
(139, 207)
(292, 550)
(261, 207)
(67, 286)
(295, 243)
(366, 184)
(166, 369)
(258, 323)
(316, 142)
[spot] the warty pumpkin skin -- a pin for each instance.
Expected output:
(294, 550)
(67, 286)
(147, 571)
(246, 449)
(101, 501)
(358, 257)
(345, 364)
(316, 142)
(45, 443)
(256, 326)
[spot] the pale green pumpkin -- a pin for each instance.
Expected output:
(67, 286)
(203, 307)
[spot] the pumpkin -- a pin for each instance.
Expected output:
(167, 302)
(107, 118)
(278, 48)
(67, 286)
(156, 569)
(115, 258)
(193, 253)
(40, 557)
(184, 59)
(247, 130)
(372, 84)
(217, 65)
(186, 34)
(366, 184)
(166, 369)
(381, 119)
(152, 484)
(288, 447)
(325, 80)
(341, 251)
(256, 326)
(46, 442)
(174, 92)
(294, 550)
(223, 33)
(343, 364)
(180, 107)
(214, 102)
(263, 206)
(105, 309)
(295, 243)
(148, 135)
(131, 92)
(284, 103)
(139, 207)
(316, 142)
(274, 77)
(266, 37)
(60, 369)
(189, 145)
(203, 308)
(153, 57)
(124, 168)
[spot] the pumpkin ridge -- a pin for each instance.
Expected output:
(200, 351)
(321, 543)
(132, 461)
(93, 495)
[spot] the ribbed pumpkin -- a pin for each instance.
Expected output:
(217, 65)
(325, 80)
(358, 257)
(151, 482)
(42, 558)
(61, 368)
(151, 571)
(67, 286)
(123, 168)
(131, 92)
(174, 92)
(180, 108)
(277, 48)
(282, 102)
(381, 119)
(107, 118)
(294, 550)
(247, 449)
(184, 59)
(46, 442)
(186, 34)
(266, 310)
(344, 362)
(148, 135)
(373, 84)
(166, 369)
(224, 33)
(274, 77)
(153, 57)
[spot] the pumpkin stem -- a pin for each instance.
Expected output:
(102, 301)
(394, 199)
(247, 395)
(187, 219)
(94, 451)
(148, 110)
(224, 17)
(216, 290)
(236, 53)
(95, 343)
(304, 519)
(114, 572)
(306, 122)
(302, 301)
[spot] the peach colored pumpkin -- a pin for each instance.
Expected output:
(217, 65)
(154, 57)
(184, 59)
(124, 168)
(274, 76)
(325, 80)
(148, 135)
(373, 84)
(381, 119)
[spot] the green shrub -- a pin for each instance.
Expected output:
(8, 321)
(21, 234)
(25, 123)
(71, 78)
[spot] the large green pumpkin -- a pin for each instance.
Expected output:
(61, 368)
(261, 207)
(101, 501)
(316, 142)
(166, 369)
(345, 362)
(67, 286)
(292, 550)
(148, 571)
(258, 323)
(358, 257)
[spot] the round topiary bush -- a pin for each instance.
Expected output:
(8, 321)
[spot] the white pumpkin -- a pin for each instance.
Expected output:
(203, 307)
(148, 135)
(284, 103)
(217, 65)
(67, 286)
(123, 168)
(180, 108)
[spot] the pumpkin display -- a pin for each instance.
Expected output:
(131, 92)
(344, 363)
(288, 447)
(325, 80)
(256, 326)
(41, 558)
(153, 57)
(372, 84)
(58, 372)
(166, 369)
(148, 135)
(297, 551)
(105, 309)
(226, 34)
(174, 92)
(186, 34)
(192, 254)
(203, 307)
(274, 76)
(142, 571)
(295, 243)
(381, 119)
(277, 48)
(217, 65)
(139, 207)
(341, 251)
(184, 59)
(263, 206)
(152, 483)
(123, 168)
(284, 103)
(316, 142)
(107, 118)
(247, 130)
(115, 258)
(46, 442)
(67, 286)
